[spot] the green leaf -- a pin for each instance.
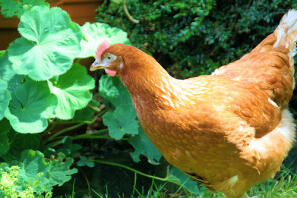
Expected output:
(96, 33)
(40, 174)
(31, 105)
(59, 170)
(72, 90)
(113, 91)
(121, 121)
(49, 43)
(9, 8)
(69, 148)
(85, 162)
(8, 183)
(143, 146)
(6, 71)
(176, 176)
(4, 98)
(4, 141)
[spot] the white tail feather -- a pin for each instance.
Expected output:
(286, 32)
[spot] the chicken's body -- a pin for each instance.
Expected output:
(211, 133)
(228, 130)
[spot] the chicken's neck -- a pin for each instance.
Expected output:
(149, 84)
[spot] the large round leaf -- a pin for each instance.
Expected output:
(96, 33)
(49, 43)
(4, 97)
(30, 106)
(72, 90)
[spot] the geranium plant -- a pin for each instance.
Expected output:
(45, 92)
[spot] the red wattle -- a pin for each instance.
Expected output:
(111, 72)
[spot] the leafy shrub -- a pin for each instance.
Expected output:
(200, 35)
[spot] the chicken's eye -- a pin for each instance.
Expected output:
(110, 57)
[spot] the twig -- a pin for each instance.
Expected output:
(128, 14)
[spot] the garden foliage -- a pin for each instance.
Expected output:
(47, 99)
(45, 92)
(200, 35)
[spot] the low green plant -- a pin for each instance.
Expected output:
(45, 94)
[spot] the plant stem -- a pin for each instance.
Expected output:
(98, 132)
(64, 131)
(94, 108)
(128, 14)
(130, 169)
(86, 136)
(92, 135)
(103, 111)
(52, 126)
(56, 143)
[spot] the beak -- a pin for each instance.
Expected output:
(97, 64)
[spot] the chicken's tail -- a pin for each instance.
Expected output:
(286, 32)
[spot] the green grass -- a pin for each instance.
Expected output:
(273, 188)
(283, 186)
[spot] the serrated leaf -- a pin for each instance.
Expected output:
(96, 33)
(9, 8)
(59, 170)
(143, 146)
(30, 106)
(113, 90)
(41, 174)
(6, 71)
(121, 121)
(4, 98)
(72, 90)
(176, 176)
(49, 43)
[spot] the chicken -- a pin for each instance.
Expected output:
(228, 130)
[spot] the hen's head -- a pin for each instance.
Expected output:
(110, 58)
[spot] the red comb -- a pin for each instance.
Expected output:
(102, 47)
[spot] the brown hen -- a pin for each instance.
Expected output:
(228, 130)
